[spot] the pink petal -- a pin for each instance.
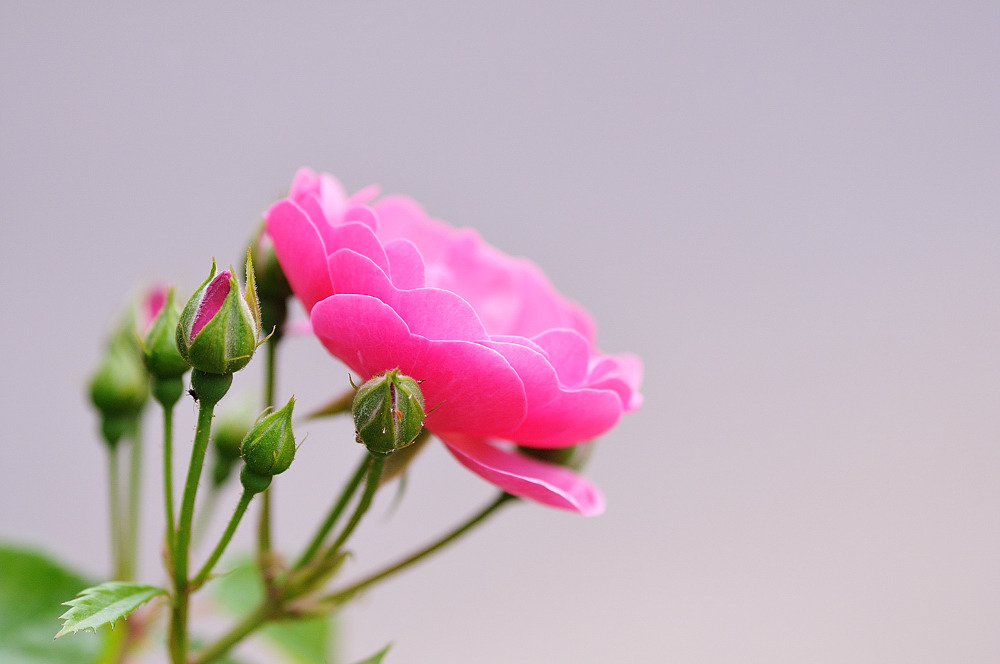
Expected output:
(300, 251)
(215, 294)
(365, 215)
(406, 266)
(621, 373)
(469, 387)
(557, 416)
(429, 312)
(360, 238)
(152, 305)
(569, 353)
(522, 476)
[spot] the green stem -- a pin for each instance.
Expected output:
(341, 596)
(241, 630)
(241, 509)
(335, 512)
(168, 473)
(134, 501)
(210, 388)
(264, 523)
(167, 391)
(117, 548)
(371, 485)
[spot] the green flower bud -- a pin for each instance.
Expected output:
(269, 448)
(218, 329)
(388, 412)
(160, 353)
(120, 386)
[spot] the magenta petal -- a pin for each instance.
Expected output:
(557, 416)
(215, 294)
(569, 352)
(406, 265)
(300, 250)
(362, 214)
(622, 373)
(522, 476)
(467, 386)
(429, 312)
(360, 238)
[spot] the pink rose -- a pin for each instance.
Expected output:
(503, 358)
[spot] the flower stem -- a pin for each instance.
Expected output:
(264, 522)
(371, 485)
(134, 499)
(117, 559)
(167, 391)
(210, 388)
(335, 512)
(337, 598)
(241, 509)
(241, 630)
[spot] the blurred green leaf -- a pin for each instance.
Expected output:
(302, 641)
(377, 657)
(31, 588)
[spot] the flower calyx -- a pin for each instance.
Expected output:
(388, 412)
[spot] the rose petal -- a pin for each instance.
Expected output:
(466, 386)
(406, 266)
(557, 416)
(522, 476)
(300, 251)
(429, 312)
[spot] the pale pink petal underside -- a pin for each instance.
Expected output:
(522, 476)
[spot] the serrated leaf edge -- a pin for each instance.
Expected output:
(70, 627)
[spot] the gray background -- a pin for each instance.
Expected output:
(790, 212)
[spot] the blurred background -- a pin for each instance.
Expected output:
(790, 212)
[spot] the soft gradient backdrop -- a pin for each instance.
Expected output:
(790, 212)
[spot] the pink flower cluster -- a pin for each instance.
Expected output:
(504, 359)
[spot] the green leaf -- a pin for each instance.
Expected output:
(377, 657)
(104, 604)
(304, 641)
(31, 587)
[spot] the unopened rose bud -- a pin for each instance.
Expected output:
(120, 386)
(218, 329)
(269, 448)
(272, 285)
(228, 433)
(160, 345)
(388, 412)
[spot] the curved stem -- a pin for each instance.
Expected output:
(338, 507)
(240, 631)
(371, 485)
(341, 596)
(241, 509)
